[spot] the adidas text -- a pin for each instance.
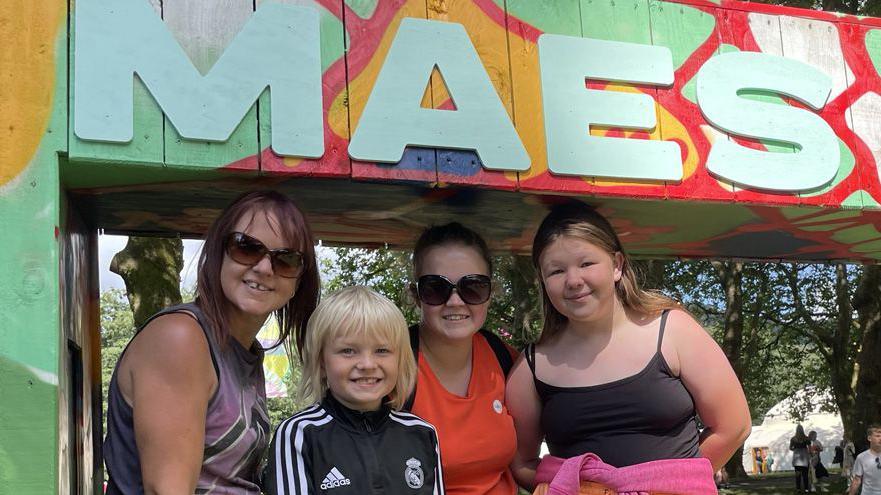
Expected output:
(335, 483)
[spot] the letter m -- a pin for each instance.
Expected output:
(278, 48)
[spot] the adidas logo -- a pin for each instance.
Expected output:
(334, 479)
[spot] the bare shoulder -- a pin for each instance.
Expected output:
(174, 340)
(171, 349)
(682, 328)
(683, 337)
(172, 331)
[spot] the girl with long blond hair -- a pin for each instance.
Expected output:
(618, 376)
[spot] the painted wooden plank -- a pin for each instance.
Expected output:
(818, 44)
(628, 21)
(694, 35)
(33, 99)
(204, 28)
(369, 42)
(815, 43)
(757, 33)
(147, 145)
(335, 161)
(863, 100)
(485, 24)
(527, 20)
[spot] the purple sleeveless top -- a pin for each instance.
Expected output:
(236, 424)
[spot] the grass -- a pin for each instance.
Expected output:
(781, 484)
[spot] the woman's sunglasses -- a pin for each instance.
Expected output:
(246, 250)
(435, 290)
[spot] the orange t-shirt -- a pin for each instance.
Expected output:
(475, 432)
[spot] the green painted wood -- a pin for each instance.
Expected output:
(147, 144)
(204, 28)
(873, 46)
(363, 8)
(681, 28)
(29, 215)
(549, 16)
(616, 20)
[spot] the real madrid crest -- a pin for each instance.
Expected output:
(413, 474)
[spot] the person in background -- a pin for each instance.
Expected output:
(848, 460)
(817, 470)
(867, 466)
(801, 459)
(187, 401)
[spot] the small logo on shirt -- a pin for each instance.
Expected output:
(334, 479)
(497, 406)
(413, 474)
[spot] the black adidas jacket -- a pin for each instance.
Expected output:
(329, 449)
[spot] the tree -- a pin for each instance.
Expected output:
(386, 271)
(117, 328)
(867, 392)
(150, 268)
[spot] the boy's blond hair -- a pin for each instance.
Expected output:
(353, 311)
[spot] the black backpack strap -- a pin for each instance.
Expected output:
(503, 356)
(414, 345)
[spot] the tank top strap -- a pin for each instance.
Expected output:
(661, 330)
(529, 353)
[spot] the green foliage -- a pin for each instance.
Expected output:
(386, 271)
(281, 408)
(787, 308)
(514, 313)
(117, 328)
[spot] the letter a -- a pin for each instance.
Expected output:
(394, 119)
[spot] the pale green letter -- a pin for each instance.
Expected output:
(570, 109)
(278, 47)
(394, 119)
(719, 83)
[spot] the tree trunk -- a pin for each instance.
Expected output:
(867, 400)
(841, 367)
(150, 267)
(731, 278)
(652, 273)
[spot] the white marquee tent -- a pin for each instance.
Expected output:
(778, 427)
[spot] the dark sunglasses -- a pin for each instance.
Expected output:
(246, 250)
(435, 290)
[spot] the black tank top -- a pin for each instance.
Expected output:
(644, 417)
